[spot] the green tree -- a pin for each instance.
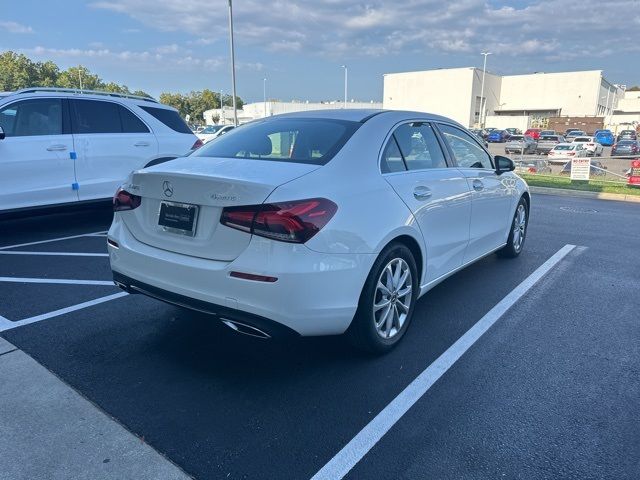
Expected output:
(80, 77)
(16, 71)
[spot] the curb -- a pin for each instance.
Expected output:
(567, 192)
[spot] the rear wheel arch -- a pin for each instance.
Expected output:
(412, 244)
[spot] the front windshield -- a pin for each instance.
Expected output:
(301, 140)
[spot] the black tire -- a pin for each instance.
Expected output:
(362, 332)
(514, 248)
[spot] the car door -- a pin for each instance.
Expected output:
(414, 164)
(110, 142)
(36, 167)
(492, 195)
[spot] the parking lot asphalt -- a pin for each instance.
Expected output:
(552, 390)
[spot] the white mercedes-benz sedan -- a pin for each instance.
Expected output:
(317, 223)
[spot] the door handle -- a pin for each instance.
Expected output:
(422, 193)
(478, 185)
(57, 148)
(141, 144)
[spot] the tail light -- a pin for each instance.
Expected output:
(197, 144)
(295, 222)
(571, 154)
(124, 200)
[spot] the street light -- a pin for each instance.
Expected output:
(233, 65)
(482, 102)
(345, 84)
(264, 94)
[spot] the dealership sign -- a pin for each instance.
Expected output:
(634, 174)
(580, 168)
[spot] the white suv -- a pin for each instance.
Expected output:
(60, 146)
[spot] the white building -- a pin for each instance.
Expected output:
(253, 111)
(510, 101)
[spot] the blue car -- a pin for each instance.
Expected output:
(605, 138)
(498, 136)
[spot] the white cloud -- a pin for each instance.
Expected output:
(15, 27)
(352, 28)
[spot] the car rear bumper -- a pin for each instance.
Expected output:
(315, 293)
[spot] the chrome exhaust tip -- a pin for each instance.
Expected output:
(245, 329)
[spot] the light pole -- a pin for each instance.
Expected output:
(482, 102)
(221, 119)
(233, 65)
(264, 95)
(345, 84)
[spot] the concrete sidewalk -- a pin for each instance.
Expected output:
(49, 432)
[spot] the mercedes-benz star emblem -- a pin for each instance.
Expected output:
(167, 188)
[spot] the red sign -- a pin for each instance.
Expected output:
(634, 176)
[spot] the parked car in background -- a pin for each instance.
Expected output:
(213, 131)
(605, 138)
(61, 146)
(596, 168)
(480, 134)
(548, 132)
(569, 130)
(627, 135)
(572, 135)
(625, 147)
(283, 242)
(532, 165)
(487, 131)
(533, 133)
(593, 148)
(498, 136)
(547, 142)
(520, 144)
(514, 131)
(566, 151)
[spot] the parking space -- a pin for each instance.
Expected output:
(550, 388)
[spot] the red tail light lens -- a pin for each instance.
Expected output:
(124, 200)
(198, 143)
(295, 222)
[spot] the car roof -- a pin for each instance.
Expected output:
(86, 94)
(362, 114)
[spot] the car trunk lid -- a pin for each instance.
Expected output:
(206, 185)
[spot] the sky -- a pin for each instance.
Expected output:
(300, 45)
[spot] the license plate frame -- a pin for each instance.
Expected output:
(178, 218)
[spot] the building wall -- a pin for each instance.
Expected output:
(443, 92)
(572, 93)
(630, 102)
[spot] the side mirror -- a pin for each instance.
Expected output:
(504, 164)
(2, 133)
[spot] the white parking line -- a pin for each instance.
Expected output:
(62, 281)
(4, 327)
(6, 247)
(56, 254)
(365, 440)
(4, 323)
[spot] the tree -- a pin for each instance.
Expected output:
(16, 71)
(79, 77)
(635, 88)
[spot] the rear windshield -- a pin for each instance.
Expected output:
(564, 147)
(582, 139)
(516, 137)
(300, 140)
(626, 142)
(170, 118)
(575, 133)
(549, 137)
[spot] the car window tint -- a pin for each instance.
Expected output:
(32, 117)
(301, 140)
(92, 116)
(170, 118)
(466, 150)
(392, 158)
(419, 146)
(130, 122)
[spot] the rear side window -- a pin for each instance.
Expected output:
(32, 117)
(170, 118)
(130, 122)
(91, 116)
(300, 140)
(466, 150)
(418, 147)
